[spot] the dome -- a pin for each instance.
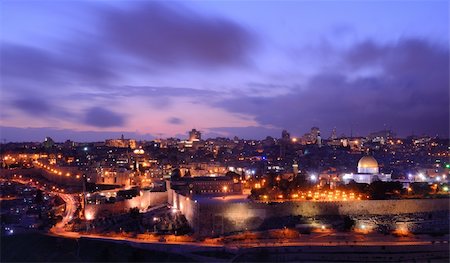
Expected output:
(368, 164)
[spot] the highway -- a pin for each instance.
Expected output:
(71, 207)
(69, 199)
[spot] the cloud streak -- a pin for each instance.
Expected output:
(103, 118)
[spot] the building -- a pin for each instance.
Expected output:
(195, 136)
(209, 185)
(368, 172)
(121, 143)
(285, 136)
(112, 176)
(312, 137)
(48, 142)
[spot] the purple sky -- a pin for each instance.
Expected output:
(90, 70)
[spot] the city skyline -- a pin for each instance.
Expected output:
(92, 71)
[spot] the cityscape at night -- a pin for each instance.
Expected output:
(224, 131)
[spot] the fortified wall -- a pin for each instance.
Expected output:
(142, 202)
(215, 216)
(63, 179)
(52, 177)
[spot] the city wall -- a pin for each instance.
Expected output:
(56, 178)
(187, 206)
(209, 218)
(142, 202)
(63, 179)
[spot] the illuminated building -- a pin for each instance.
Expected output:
(368, 172)
(121, 143)
(195, 135)
(216, 185)
(115, 176)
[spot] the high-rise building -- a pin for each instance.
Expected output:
(315, 132)
(285, 135)
(48, 142)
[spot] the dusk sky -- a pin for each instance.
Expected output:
(94, 70)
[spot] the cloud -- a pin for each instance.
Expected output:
(33, 107)
(407, 91)
(170, 35)
(103, 118)
(175, 120)
(78, 64)
(38, 107)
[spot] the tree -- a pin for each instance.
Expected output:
(134, 212)
(349, 223)
(420, 188)
(39, 199)
(176, 174)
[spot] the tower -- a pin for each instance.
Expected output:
(295, 168)
(195, 135)
(285, 135)
(333, 134)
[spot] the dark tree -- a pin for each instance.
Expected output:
(349, 223)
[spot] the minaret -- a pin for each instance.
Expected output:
(333, 134)
(319, 140)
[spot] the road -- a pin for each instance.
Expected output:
(71, 207)
(69, 199)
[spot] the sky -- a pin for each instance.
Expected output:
(91, 70)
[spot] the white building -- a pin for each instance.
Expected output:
(368, 172)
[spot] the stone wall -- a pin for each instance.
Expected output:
(188, 207)
(209, 218)
(62, 179)
(52, 177)
(142, 202)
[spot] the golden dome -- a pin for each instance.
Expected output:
(367, 162)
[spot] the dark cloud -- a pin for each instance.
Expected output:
(32, 107)
(103, 118)
(170, 35)
(39, 107)
(407, 90)
(68, 64)
(175, 120)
